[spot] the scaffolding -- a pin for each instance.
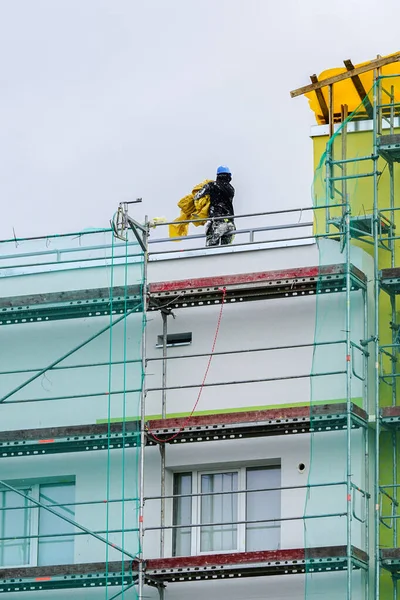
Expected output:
(142, 433)
(353, 378)
(80, 315)
(367, 217)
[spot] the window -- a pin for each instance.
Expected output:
(26, 531)
(227, 521)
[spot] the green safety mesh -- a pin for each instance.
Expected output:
(98, 381)
(338, 512)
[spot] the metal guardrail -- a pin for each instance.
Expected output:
(23, 256)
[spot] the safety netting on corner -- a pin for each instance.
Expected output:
(125, 384)
(73, 324)
(337, 515)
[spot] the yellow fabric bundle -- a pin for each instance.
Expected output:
(191, 209)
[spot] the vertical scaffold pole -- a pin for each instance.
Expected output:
(141, 573)
(161, 592)
(345, 113)
(164, 314)
(395, 332)
(348, 405)
(329, 159)
(366, 435)
(376, 128)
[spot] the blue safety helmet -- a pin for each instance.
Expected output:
(223, 169)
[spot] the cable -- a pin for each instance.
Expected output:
(164, 441)
(382, 172)
(171, 301)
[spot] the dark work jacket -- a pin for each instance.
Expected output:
(221, 194)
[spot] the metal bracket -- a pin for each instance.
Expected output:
(364, 343)
(122, 221)
(168, 312)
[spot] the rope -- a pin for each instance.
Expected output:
(186, 422)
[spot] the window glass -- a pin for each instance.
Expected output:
(182, 537)
(56, 550)
(14, 524)
(263, 506)
(219, 509)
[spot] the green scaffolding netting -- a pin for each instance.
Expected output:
(349, 178)
(98, 381)
(339, 318)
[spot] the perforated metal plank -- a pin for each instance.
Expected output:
(74, 304)
(390, 560)
(362, 225)
(192, 568)
(254, 286)
(252, 564)
(80, 438)
(261, 423)
(389, 147)
(194, 292)
(87, 575)
(390, 416)
(390, 280)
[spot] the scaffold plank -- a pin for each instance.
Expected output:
(389, 147)
(264, 285)
(72, 304)
(212, 427)
(87, 303)
(253, 564)
(177, 569)
(259, 423)
(390, 560)
(75, 438)
(390, 416)
(390, 280)
(86, 575)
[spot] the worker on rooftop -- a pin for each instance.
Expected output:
(219, 231)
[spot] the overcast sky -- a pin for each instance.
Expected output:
(106, 100)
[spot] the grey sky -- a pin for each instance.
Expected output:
(106, 100)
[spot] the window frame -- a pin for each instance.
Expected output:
(34, 490)
(241, 536)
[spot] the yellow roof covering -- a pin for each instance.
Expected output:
(344, 92)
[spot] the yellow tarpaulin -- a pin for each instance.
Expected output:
(346, 93)
(191, 209)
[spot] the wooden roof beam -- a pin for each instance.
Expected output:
(359, 88)
(373, 64)
(321, 100)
